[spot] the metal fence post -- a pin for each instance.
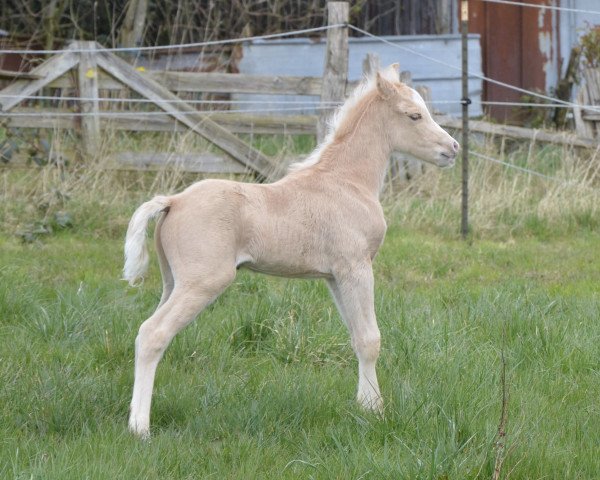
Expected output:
(464, 24)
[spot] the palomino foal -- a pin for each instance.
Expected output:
(322, 220)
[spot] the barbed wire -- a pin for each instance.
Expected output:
(556, 103)
(540, 6)
(146, 100)
(515, 167)
(533, 105)
(105, 113)
(306, 103)
(180, 45)
(324, 28)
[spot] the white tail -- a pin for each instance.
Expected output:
(136, 253)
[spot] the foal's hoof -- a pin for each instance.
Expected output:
(372, 403)
(142, 432)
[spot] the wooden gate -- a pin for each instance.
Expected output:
(89, 58)
(98, 68)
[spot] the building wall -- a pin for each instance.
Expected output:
(527, 47)
(573, 24)
(301, 57)
(519, 47)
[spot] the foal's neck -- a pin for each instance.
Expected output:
(360, 149)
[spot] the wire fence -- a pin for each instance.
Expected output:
(474, 74)
(146, 100)
(544, 7)
(157, 112)
(292, 105)
(554, 101)
(515, 167)
(313, 104)
(179, 46)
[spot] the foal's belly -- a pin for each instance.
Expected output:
(285, 270)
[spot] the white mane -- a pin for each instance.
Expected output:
(364, 87)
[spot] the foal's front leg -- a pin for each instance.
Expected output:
(352, 290)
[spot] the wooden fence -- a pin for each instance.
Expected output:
(85, 69)
(587, 122)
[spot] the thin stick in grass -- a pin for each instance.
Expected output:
(500, 444)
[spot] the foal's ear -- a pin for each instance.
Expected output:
(386, 88)
(392, 73)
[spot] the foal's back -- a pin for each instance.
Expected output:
(298, 226)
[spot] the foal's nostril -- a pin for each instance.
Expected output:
(455, 146)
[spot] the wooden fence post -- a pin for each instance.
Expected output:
(87, 77)
(335, 74)
(371, 64)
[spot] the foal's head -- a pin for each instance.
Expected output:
(410, 126)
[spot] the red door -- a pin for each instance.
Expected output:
(516, 45)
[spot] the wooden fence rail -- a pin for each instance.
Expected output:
(212, 82)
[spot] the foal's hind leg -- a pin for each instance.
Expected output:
(165, 268)
(352, 290)
(155, 334)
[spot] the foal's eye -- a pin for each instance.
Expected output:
(415, 116)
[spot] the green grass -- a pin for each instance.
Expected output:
(262, 385)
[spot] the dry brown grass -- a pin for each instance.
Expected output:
(503, 201)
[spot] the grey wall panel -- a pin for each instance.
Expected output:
(302, 57)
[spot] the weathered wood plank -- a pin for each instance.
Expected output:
(42, 119)
(335, 74)
(52, 68)
(105, 82)
(205, 162)
(148, 122)
(278, 124)
(184, 113)
(591, 85)
(238, 83)
(186, 162)
(591, 78)
(87, 78)
(195, 82)
(18, 75)
(584, 128)
(591, 117)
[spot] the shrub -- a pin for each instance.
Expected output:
(590, 46)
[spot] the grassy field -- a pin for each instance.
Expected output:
(262, 385)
